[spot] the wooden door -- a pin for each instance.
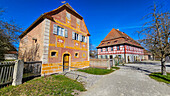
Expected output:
(66, 62)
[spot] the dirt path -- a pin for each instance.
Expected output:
(130, 80)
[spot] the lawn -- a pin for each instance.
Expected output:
(160, 78)
(97, 71)
(50, 85)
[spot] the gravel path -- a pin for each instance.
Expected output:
(130, 80)
(86, 79)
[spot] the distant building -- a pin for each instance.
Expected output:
(11, 55)
(59, 38)
(117, 43)
(147, 55)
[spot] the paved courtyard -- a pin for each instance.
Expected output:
(130, 80)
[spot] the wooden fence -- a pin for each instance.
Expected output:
(17, 71)
(6, 72)
(32, 68)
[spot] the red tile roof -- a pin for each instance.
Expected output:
(116, 37)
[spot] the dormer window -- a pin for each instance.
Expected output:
(108, 42)
(115, 41)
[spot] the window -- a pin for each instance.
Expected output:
(106, 56)
(111, 48)
(68, 16)
(106, 49)
(58, 30)
(119, 56)
(83, 38)
(101, 50)
(78, 21)
(118, 47)
(53, 54)
(75, 36)
(101, 56)
(76, 55)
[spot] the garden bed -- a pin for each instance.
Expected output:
(98, 71)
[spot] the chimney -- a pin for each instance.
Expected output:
(118, 29)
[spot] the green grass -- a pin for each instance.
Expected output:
(161, 78)
(97, 71)
(51, 85)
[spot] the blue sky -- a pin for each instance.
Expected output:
(100, 15)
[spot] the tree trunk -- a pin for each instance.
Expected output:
(163, 67)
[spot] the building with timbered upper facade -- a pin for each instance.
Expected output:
(117, 43)
(59, 38)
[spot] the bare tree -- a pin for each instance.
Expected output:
(9, 32)
(93, 50)
(156, 35)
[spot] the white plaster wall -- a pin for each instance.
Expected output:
(131, 57)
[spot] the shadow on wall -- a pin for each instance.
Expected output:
(30, 54)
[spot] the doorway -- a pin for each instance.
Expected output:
(111, 57)
(66, 62)
(128, 59)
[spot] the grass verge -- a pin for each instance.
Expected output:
(98, 71)
(161, 78)
(50, 85)
(115, 68)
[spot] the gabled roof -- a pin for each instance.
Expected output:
(116, 37)
(67, 6)
(113, 34)
(48, 16)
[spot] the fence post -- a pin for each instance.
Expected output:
(18, 73)
(108, 63)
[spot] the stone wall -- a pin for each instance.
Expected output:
(99, 63)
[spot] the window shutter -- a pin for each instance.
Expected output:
(85, 39)
(80, 36)
(73, 35)
(54, 29)
(66, 33)
(77, 36)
